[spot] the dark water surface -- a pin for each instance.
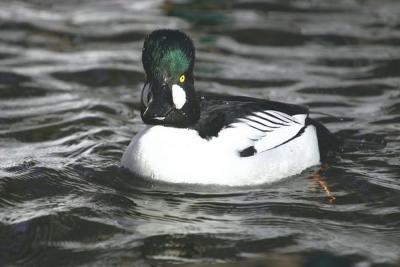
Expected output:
(70, 79)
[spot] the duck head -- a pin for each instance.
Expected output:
(168, 96)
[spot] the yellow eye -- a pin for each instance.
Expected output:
(182, 78)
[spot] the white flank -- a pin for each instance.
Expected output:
(180, 155)
(178, 96)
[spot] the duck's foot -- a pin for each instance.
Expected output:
(317, 177)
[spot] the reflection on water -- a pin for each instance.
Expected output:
(70, 79)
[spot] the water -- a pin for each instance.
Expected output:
(70, 79)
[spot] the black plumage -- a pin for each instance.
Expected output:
(219, 111)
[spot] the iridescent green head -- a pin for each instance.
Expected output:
(168, 53)
(168, 97)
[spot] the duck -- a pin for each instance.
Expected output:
(195, 137)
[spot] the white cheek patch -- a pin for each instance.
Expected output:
(178, 96)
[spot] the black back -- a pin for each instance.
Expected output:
(218, 111)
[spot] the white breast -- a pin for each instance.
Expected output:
(182, 156)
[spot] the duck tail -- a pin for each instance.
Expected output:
(328, 143)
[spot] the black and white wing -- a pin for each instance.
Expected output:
(264, 130)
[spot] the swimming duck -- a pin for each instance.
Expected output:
(206, 138)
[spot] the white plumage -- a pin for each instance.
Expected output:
(285, 146)
(178, 96)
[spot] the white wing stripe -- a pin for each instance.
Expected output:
(263, 122)
(256, 125)
(263, 130)
(270, 119)
(280, 115)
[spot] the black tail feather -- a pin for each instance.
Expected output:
(328, 143)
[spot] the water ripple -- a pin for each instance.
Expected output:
(70, 80)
